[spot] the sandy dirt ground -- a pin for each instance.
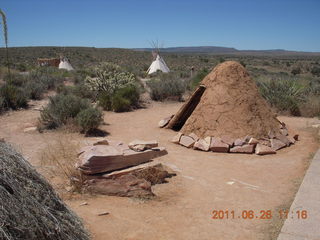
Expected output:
(204, 182)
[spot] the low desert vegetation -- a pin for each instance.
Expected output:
(167, 87)
(59, 160)
(116, 89)
(69, 109)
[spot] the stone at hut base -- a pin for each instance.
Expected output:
(176, 138)
(218, 146)
(247, 148)
(264, 150)
(186, 141)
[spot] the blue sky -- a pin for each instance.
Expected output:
(245, 24)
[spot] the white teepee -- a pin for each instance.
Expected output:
(158, 65)
(65, 64)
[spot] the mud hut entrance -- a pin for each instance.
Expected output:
(187, 109)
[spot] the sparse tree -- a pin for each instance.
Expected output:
(5, 36)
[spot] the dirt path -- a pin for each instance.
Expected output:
(204, 181)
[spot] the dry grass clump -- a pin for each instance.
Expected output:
(30, 208)
(59, 158)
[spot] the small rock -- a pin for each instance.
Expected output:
(164, 122)
(103, 214)
(283, 139)
(291, 139)
(316, 126)
(83, 204)
(176, 138)
(228, 140)
(284, 131)
(201, 144)
(264, 150)
(247, 148)
(194, 136)
(239, 142)
(253, 141)
(187, 141)
(277, 144)
(265, 142)
(139, 146)
(30, 129)
(247, 138)
(218, 146)
(69, 188)
(102, 142)
(271, 134)
(208, 140)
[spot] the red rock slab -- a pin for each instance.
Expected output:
(247, 148)
(277, 144)
(186, 141)
(202, 145)
(176, 138)
(218, 146)
(194, 136)
(102, 158)
(264, 150)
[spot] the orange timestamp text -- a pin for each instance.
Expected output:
(259, 214)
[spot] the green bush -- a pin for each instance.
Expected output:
(316, 71)
(62, 109)
(109, 77)
(120, 104)
(35, 90)
(13, 97)
(89, 119)
(1, 104)
(167, 87)
(15, 79)
(195, 81)
(122, 100)
(285, 94)
(105, 101)
(79, 90)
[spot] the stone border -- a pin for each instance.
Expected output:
(307, 198)
(247, 144)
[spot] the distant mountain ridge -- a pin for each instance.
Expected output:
(227, 50)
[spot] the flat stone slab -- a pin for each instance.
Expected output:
(308, 199)
(106, 158)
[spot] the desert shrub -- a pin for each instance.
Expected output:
(311, 107)
(296, 70)
(50, 77)
(285, 94)
(1, 104)
(15, 79)
(109, 77)
(62, 109)
(122, 100)
(167, 86)
(59, 159)
(316, 71)
(79, 90)
(89, 119)
(195, 81)
(13, 97)
(105, 101)
(120, 104)
(35, 90)
(130, 92)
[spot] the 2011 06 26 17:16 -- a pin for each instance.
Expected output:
(259, 214)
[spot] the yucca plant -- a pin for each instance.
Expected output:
(5, 36)
(284, 93)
